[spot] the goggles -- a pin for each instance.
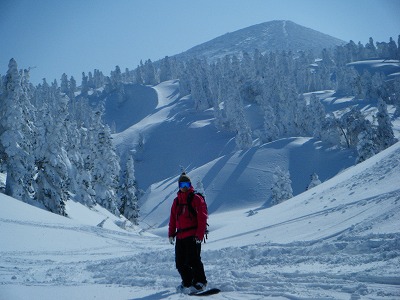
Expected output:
(184, 184)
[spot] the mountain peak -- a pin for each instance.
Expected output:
(277, 35)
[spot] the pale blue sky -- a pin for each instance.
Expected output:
(75, 36)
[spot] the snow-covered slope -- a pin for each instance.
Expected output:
(243, 179)
(339, 240)
(174, 127)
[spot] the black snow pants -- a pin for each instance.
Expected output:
(188, 261)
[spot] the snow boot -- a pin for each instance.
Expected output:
(184, 289)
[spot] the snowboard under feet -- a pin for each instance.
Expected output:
(205, 292)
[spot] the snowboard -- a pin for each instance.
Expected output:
(206, 292)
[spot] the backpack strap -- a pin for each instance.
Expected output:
(189, 202)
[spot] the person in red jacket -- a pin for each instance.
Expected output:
(188, 229)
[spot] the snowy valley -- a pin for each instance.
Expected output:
(337, 240)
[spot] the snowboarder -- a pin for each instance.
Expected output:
(188, 229)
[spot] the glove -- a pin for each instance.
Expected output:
(197, 240)
(171, 240)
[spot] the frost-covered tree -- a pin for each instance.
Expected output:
(396, 95)
(243, 134)
(214, 79)
(139, 73)
(148, 73)
(270, 131)
(392, 49)
(316, 116)
(64, 85)
(367, 91)
(116, 85)
(366, 146)
(287, 108)
(129, 199)
(80, 176)
(17, 133)
(104, 164)
(98, 79)
(281, 186)
(234, 104)
(346, 77)
(199, 87)
(72, 87)
(331, 131)
(199, 187)
(52, 162)
(314, 181)
(352, 124)
(370, 49)
(127, 76)
(384, 133)
(165, 72)
(84, 85)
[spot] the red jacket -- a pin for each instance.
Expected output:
(182, 223)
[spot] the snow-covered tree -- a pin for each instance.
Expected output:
(80, 185)
(331, 131)
(129, 199)
(370, 49)
(243, 134)
(104, 164)
(199, 86)
(52, 162)
(366, 146)
(392, 49)
(396, 96)
(352, 124)
(72, 87)
(199, 187)
(214, 80)
(316, 116)
(165, 69)
(270, 130)
(17, 133)
(314, 181)
(384, 133)
(64, 86)
(287, 108)
(98, 79)
(148, 73)
(139, 73)
(84, 85)
(346, 77)
(116, 85)
(281, 186)
(233, 104)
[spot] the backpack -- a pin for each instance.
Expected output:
(193, 212)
